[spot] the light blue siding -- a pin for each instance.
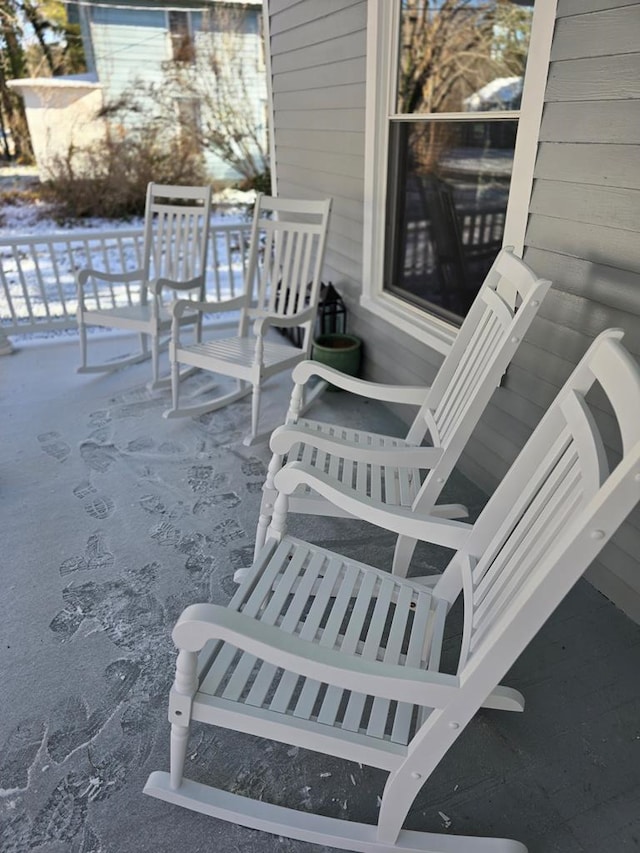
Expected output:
(129, 45)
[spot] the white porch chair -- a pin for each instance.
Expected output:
(326, 653)
(176, 236)
(400, 471)
(285, 262)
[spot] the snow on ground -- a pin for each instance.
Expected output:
(18, 218)
(32, 219)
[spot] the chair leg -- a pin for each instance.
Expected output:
(155, 363)
(175, 383)
(178, 753)
(269, 495)
(397, 798)
(403, 552)
(184, 687)
(82, 329)
(255, 411)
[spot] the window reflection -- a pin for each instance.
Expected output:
(181, 39)
(448, 178)
(462, 55)
(448, 191)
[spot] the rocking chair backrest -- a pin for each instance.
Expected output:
(176, 235)
(553, 512)
(288, 276)
(547, 521)
(487, 341)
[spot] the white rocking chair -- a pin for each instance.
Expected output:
(320, 651)
(286, 268)
(395, 470)
(176, 236)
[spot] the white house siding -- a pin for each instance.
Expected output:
(131, 44)
(582, 231)
(128, 45)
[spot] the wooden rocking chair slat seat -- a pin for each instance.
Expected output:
(278, 596)
(176, 237)
(240, 353)
(282, 289)
(393, 479)
(411, 475)
(324, 652)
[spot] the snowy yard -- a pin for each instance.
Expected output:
(39, 259)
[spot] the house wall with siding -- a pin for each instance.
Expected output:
(128, 45)
(318, 68)
(582, 230)
(584, 219)
(318, 57)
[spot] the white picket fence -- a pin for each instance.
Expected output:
(37, 273)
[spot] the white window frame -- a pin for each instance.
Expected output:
(382, 62)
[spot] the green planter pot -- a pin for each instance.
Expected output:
(343, 352)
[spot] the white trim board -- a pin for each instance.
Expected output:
(266, 34)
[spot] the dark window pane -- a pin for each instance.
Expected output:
(178, 23)
(181, 41)
(462, 55)
(448, 187)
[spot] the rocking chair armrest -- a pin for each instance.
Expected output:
(286, 436)
(261, 324)
(200, 623)
(413, 395)
(180, 306)
(156, 286)
(85, 274)
(439, 531)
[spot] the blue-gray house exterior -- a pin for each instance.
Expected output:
(129, 42)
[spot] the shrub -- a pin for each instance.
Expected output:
(260, 183)
(110, 178)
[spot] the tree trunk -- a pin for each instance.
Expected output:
(13, 66)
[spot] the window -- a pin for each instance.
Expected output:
(182, 49)
(443, 191)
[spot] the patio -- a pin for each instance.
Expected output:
(115, 519)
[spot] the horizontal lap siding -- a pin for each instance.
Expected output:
(318, 59)
(318, 81)
(582, 233)
(132, 45)
(128, 44)
(318, 66)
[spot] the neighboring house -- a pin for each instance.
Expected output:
(408, 243)
(129, 42)
(135, 41)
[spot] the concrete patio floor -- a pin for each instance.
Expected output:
(114, 519)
